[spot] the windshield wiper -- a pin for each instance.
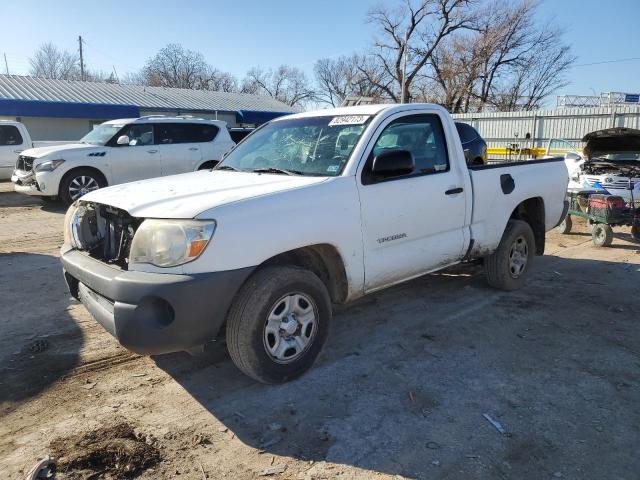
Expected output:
(226, 167)
(277, 170)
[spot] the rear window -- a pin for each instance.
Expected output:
(9, 135)
(169, 133)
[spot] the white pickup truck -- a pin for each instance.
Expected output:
(14, 139)
(120, 151)
(310, 210)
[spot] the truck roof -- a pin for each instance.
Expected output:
(365, 110)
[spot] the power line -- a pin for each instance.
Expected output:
(630, 59)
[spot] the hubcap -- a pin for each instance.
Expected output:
(82, 185)
(518, 257)
(290, 327)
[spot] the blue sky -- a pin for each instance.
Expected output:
(235, 36)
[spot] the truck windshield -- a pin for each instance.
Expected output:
(315, 146)
(101, 134)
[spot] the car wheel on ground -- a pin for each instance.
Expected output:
(508, 267)
(566, 225)
(602, 235)
(278, 323)
(79, 182)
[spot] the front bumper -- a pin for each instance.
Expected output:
(31, 183)
(153, 313)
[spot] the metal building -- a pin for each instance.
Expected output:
(66, 110)
(500, 129)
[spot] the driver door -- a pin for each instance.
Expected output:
(139, 159)
(414, 223)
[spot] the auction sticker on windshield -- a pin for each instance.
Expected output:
(348, 120)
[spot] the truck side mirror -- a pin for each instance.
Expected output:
(123, 140)
(393, 163)
(573, 156)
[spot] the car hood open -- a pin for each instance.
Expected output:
(611, 140)
(189, 194)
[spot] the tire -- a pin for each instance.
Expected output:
(268, 351)
(565, 226)
(508, 267)
(91, 179)
(635, 231)
(602, 235)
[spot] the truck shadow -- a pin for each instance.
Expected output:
(408, 373)
(39, 341)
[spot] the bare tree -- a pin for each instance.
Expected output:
(506, 60)
(417, 29)
(51, 62)
(173, 66)
(340, 78)
(287, 84)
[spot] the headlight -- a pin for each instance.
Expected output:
(48, 166)
(68, 224)
(168, 243)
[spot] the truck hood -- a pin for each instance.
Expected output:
(58, 149)
(189, 194)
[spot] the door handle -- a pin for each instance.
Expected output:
(193, 149)
(152, 151)
(454, 191)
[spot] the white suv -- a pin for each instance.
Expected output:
(120, 151)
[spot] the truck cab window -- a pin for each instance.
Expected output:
(422, 135)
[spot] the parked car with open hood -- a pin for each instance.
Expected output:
(610, 163)
(120, 151)
(309, 210)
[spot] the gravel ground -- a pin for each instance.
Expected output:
(401, 390)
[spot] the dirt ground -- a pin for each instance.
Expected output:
(400, 390)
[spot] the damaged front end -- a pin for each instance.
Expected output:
(102, 231)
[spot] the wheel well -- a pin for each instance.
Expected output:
(97, 172)
(208, 164)
(532, 212)
(323, 260)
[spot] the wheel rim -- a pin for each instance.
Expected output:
(82, 185)
(599, 234)
(290, 327)
(518, 257)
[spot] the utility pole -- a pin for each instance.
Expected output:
(81, 58)
(404, 67)
(6, 64)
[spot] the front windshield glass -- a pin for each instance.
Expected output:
(621, 157)
(317, 146)
(101, 134)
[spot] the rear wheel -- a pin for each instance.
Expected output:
(508, 267)
(79, 182)
(566, 225)
(278, 323)
(602, 235)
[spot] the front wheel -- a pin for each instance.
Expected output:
(278, 323)
(508, 267)
(79, 182)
